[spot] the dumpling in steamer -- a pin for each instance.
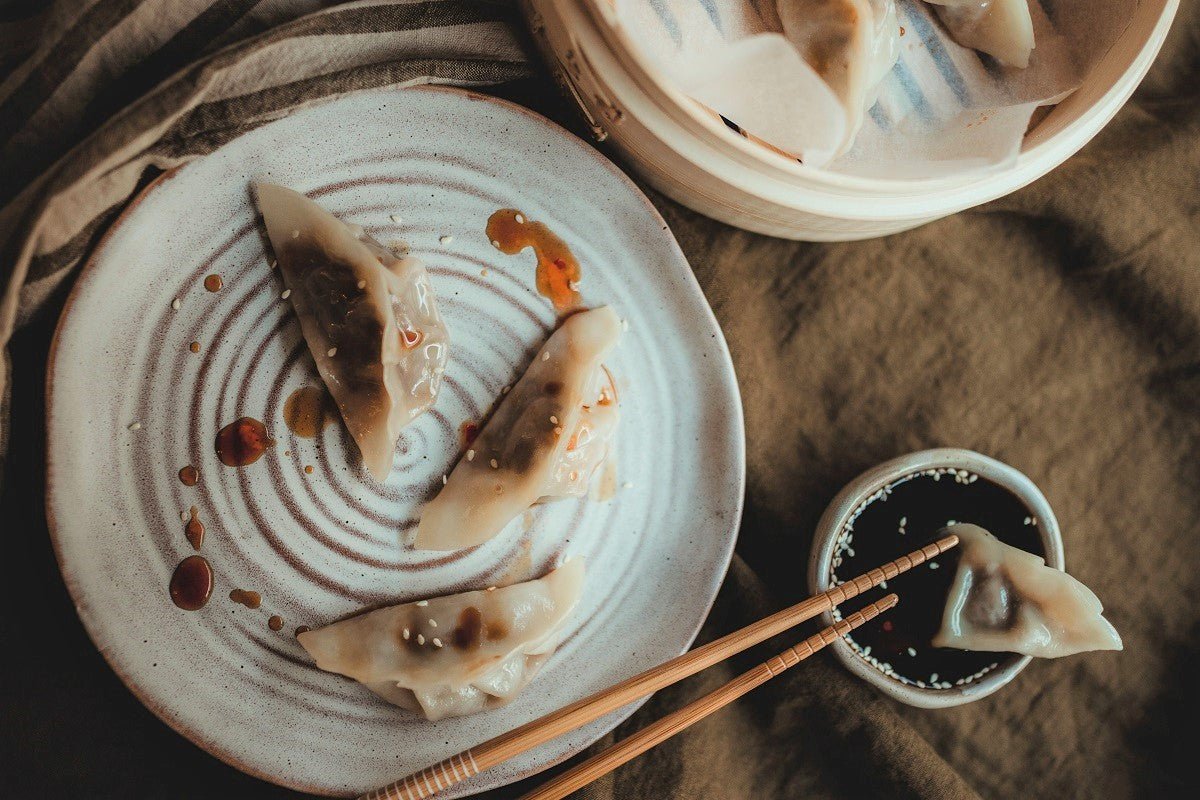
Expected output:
(369, 318)
(486, 647)
(547, 438)
(851, 44)
(1001, 28)
(1007, 600)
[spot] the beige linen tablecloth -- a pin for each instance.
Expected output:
(1057, 329)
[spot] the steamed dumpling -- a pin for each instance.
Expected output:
(851, 44)
(550, 433)
(368, 316)
(486, 647)
(1007, 600)
(1001, 28)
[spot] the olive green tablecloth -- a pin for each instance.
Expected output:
(1057, 329)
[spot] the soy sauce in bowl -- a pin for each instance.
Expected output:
(899, 507)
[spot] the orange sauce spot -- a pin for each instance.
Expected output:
(242, 442)
(213, 283)
(307, 411)
(188, 476)
(467, 432)
(275, 623)
(194, 530)
(308, 470)
(410, 337)
(194, 347)
(247, 598)
(557, 269)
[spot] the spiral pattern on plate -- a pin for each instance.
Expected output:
(323, 544)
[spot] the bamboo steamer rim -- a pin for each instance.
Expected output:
(1133, 53)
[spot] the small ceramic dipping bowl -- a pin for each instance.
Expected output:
(900, 506)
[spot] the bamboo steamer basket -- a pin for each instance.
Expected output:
(685, 151)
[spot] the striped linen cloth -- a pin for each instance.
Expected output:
(98, 96)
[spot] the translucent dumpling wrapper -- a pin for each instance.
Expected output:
(1001, 28)
(485, 648)
(851, 44)
(369, 317)
(1004, 599)
(547, 438)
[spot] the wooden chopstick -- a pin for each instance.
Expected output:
(468, 763)
(606, 761)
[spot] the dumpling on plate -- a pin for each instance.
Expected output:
(851, 44)
(1001, 28)
(369, 317)
(453, 655)
(547, 438)
(1007, 600)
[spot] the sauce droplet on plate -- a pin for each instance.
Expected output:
(306, 412)
(275, 623)
(247, 598)
(242, 442)
(467, 432)
(194, 347)
(194, 530)
(189, 476)
(558, 271)
(191, 583)
(213, 283)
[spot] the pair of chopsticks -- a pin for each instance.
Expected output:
(471, 762)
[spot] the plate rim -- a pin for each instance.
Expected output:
(128, 678)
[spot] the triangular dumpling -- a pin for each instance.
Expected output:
(1007, 600)
(851, 44)
(453, 655)
(368, 316)
(1001, 28)
(550, 433)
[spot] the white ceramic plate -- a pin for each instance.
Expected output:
(319, 546)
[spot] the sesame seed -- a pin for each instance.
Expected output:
(470, 455)
(626, 485)
(495, 244)
(445, 480)
(520, 218)
(420, 638)
(422, 603)
(903, 521)
(406, 634)
(933, 678)
(295, 234)
(437, 642)
(274, 264)
(505, 390)
(432, 622)
(558, 431)
(396, 219)
(491, 588)
(483, 272)
(135, 426)
(553, 419)
(285, 294)
(912, 651)
(573, 285)
(331, 352)
(445, 239)
(175, 304)
(934, 565)
(362, 284)
(546, 356)
(883, 584)
(183, 516)
(495, 464)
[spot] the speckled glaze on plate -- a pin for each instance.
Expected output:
(322, 545)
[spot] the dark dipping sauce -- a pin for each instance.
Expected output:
(307, 411)
(242, 442)
(922, 505)
(194, 530)
(191, 583)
